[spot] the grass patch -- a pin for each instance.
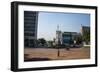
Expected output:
(86, 47)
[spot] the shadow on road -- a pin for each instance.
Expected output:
(37, 59)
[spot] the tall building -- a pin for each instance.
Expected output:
(30, 28)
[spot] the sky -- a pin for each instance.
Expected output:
(68, 22)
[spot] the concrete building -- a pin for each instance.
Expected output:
(68, 37)
(30, 28)
(65, 38)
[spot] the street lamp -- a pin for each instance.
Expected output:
(58, 46)
(58, 51)
(58, 35)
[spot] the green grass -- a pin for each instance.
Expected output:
(86, 46)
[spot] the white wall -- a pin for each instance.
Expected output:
(5, 28)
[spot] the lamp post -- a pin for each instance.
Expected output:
(58, 48)
(58, 33)
(58, 51)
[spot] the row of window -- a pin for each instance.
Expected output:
(28, 26)
(29, 29)
(30, 18)
(27, 22)
(29, 15)
(29, 34)
(30, 12)
(29, 43)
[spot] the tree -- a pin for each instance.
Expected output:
(78, 40)
(50, 44)
(86, 37)
(42, 41)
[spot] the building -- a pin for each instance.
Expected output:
(85, 33)
(72, 38)
(85, 29)
(65, 38)
(68, 37)
(30, 28)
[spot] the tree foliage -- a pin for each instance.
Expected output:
(86, 37)
(42, 41)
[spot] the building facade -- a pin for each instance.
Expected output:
(30, 28)
(85, 29)
(68, 37)
(65, 38)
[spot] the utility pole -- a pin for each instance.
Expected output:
(58, 50)
(58, 42)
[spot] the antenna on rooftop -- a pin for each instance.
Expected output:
(58, 27)
(81, 25)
